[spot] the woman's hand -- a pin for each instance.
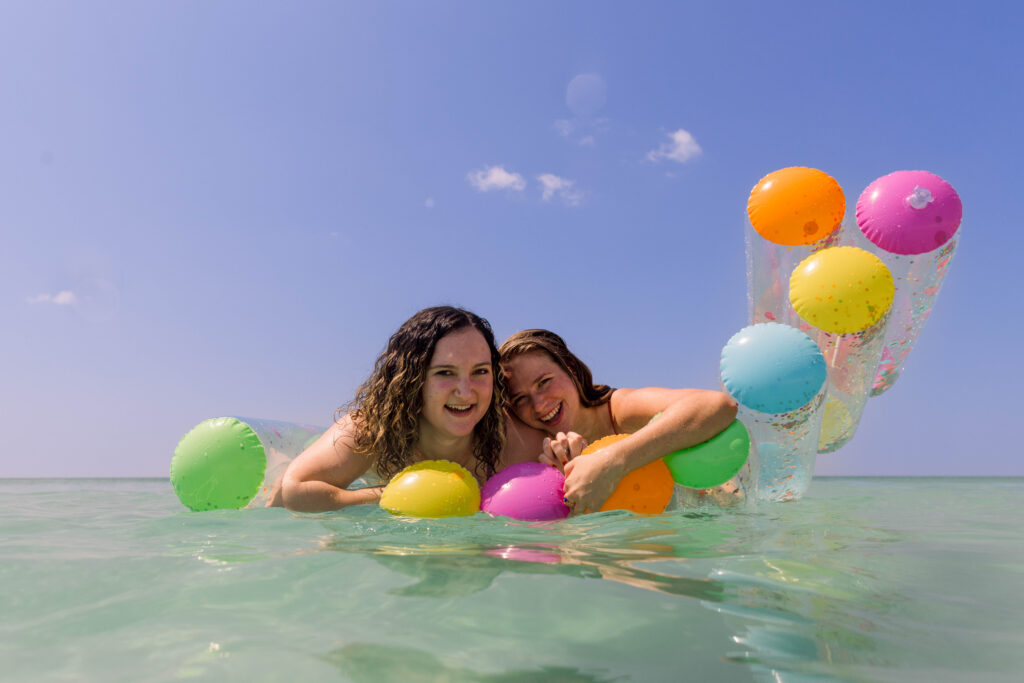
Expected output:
(561, 449)
(590, 480)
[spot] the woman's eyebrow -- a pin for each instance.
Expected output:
(452, 366)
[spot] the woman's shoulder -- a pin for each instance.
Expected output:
(335, 451)
(634, 407)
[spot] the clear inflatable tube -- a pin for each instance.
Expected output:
(227, 463)
(844, 294)
(777, 375)
(792, 213)
(911, 220)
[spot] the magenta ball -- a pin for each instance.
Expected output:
(529, 491)
(909, 212)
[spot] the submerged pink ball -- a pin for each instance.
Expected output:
(529, 491)
(909, 212)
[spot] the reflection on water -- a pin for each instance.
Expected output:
(371, 663)
(460, 560)
(791, 594)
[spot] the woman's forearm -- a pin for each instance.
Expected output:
(681, 425)
(319, 496)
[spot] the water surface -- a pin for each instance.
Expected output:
(863, 579)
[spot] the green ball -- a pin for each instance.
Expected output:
(712, 462)
(219, 465)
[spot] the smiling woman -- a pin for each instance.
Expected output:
(433, 395)
(552, 390)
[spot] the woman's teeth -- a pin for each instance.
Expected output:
(458, 408)
(551, 416)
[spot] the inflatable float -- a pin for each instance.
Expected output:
(911, 220)
(834, 313)
(227, 463)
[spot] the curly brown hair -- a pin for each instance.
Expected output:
(387, 406)
(554, 346)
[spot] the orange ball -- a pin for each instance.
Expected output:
(646, 490)
(796, 205)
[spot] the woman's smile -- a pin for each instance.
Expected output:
(552, 418)
(459, 409)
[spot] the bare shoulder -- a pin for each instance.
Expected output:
(633, 408)
(646, 399)
(332, 457)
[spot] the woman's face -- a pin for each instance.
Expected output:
(542, 393)
(459, 383)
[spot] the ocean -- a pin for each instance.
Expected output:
(863, 579)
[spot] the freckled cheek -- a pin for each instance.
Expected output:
(484, 388)
(438, 390)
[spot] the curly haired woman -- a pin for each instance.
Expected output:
(435, 394)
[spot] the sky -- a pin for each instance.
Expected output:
(225, 208)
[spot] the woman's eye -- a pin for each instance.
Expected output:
(483, 371)
(544, 382)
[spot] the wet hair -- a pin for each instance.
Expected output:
(554, 346)
(386, 409)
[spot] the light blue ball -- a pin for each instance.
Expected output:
(772, 368)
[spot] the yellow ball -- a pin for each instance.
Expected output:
(836, 426)
(432, 488)
(841, 289)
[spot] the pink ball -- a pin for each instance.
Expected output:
(909, 212)
(529, 491)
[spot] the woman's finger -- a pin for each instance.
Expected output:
(576, 444)
(569, 503)
(549, 455)
(567, 470)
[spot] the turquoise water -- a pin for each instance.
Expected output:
(863, 579)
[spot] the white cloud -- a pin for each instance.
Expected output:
(563, 187)
(680, 147)
(63, 298)
(429, 203)
(496, 178)
(584, 132)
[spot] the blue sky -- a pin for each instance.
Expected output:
(241, 201)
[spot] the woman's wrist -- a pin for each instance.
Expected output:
(616, 461)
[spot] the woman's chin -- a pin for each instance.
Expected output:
(460, 425)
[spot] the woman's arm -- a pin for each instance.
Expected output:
(315, 481)
(689, 417)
